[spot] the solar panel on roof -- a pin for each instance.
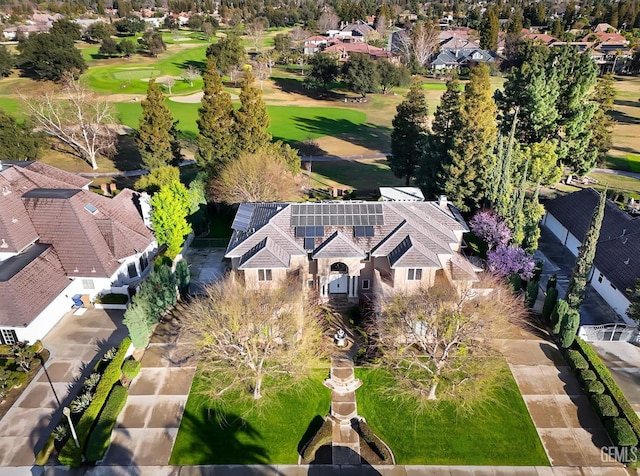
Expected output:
(336, 214)
(242, 219)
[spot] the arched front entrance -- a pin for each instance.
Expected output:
(338, 278)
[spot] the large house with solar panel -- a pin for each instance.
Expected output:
(351, 249)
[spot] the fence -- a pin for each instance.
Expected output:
(210, 243)
(609, 333)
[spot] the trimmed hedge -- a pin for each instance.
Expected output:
(374, 442)
(100, 437)
(610, 385)
(322, 437)
(604, 406)
(594, 387)
(621, 432)
(131, 368)
(70, 455)
(550, 301)
(587, 375)
(576, 360)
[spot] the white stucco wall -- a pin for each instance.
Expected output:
(48, 318)
(612, 295)
(555, 227)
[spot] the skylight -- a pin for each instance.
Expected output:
(91, 208)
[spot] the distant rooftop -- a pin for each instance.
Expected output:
(401, 194)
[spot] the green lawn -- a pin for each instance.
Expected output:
(10, 105)
(124, 75)
(290, 124)
(362, 174)
(271, 435)
(498, 432)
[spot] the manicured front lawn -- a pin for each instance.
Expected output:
(498, 432)
(271, 434)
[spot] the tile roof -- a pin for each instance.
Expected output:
(338, 246)
(266, 254)
(58, 174)
(433, 231)
(618, 251)
(28, 283)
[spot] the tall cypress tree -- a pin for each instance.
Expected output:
(252, 119)
(489, 29)
(154, 137)
(586, 255)
(533, 212)
(472, 156)
(435, 152)
(409, 133)
(502, 201)
(516, 213)
(215, 123)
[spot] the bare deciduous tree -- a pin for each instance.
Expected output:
(438, 335)
(259, 177)
(328, 21)
(419, 44)
(78, 118)
(262, 70)
(245, 335)
(191, 74)
(169, 82)
(235, 72)
(254, 30)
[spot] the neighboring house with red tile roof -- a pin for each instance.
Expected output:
(616, 266)
(57, 240)
(351, 249)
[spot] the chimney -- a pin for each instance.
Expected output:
(442, 201)
(113, 187)
(104, 188)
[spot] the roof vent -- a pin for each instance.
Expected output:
(5, 190)
(4, 244)
(624, 242)
(624, 231)
(442, 200)
(627, 261)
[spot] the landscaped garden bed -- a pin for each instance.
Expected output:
(495, 431)
(111, 301)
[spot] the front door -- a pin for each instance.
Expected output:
(338, 283)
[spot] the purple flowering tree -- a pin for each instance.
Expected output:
(506, 260)
(486, 224)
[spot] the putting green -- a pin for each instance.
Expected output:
(136, 73)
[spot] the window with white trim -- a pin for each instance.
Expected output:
(414, 274)
(131, 269)
(264, 275)
(8, 337)
(366, 284)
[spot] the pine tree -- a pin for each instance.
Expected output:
(135, 319)
(489, 29)
(435, 153)
(215, 123)
(409, 133)
(502, 199)
(601, 126)
(154, 132)
(252, 119)
(472, 158)
(586, 255)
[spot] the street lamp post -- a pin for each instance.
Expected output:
(67, 413)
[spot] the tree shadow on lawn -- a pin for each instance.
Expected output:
(199, 65)
(372, 137)
(127, 156)
(623, 118)
(209, 436)
(291, 85)
(623, 102)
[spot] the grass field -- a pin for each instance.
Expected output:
(271, 435)
(290, 124)
(358, 174)
(500, 432)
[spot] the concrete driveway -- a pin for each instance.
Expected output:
(75, 343)
(558, 260)
(623, 361)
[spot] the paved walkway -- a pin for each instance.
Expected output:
(148, 425)
(321, 470)
(569, 429)
(75, 344)
(206, 265)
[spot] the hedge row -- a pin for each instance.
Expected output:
(131, 368)
(374, 442)
(576, 360)
(101, 435)
(604, 406)
(322, 437)
(621, 432)
(70, 455)
(611, 387)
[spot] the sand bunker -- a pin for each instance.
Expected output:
(194, 98)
